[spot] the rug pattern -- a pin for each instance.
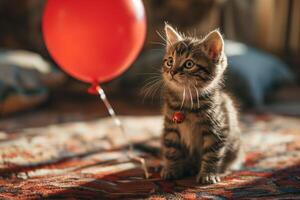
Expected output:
(87, 160)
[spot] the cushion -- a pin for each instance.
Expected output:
(24, 80)
(252, 73)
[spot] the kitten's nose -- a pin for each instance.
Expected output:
(172, 72)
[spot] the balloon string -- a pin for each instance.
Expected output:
(117, 121)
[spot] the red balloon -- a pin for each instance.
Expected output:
(94, 40)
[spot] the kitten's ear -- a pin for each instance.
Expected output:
(172, 36)
(214, 44)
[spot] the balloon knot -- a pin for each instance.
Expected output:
(93, 89)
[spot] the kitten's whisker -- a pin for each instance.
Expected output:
(150, 84)
(154, 75)
(183, 98)
(156, 68)
(151, 88)
(197, 93)
(151, 80)
(147, 93)
(192, 102)
(156, 89)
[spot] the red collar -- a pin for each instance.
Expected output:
(178, 117)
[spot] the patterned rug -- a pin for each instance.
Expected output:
(87, 160)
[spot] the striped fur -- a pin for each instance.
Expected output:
(207, 142)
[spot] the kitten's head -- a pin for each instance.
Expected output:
(192, 62)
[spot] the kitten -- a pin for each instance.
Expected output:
(201, 131)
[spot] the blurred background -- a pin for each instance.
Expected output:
(262, 45)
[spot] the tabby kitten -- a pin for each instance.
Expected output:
(201, 131)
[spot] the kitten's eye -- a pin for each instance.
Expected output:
(189, 64)
(169, 62)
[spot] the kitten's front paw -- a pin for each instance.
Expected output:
(207, 179)
(170, 174)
